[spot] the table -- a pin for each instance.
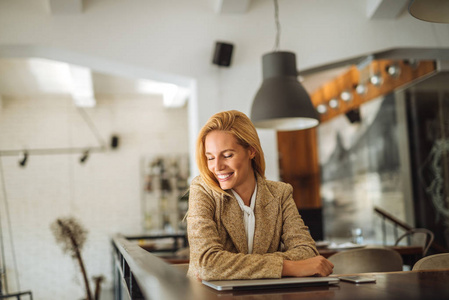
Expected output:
(410, 285)
(139, 274)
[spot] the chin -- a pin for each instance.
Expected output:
(226, 185)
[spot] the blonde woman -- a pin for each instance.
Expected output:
(240, 225)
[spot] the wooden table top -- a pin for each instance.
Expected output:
(408, 285)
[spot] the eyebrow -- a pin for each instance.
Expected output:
(226, 150)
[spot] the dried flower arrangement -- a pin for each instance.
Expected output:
(71, 236)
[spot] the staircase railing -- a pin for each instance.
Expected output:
(396, 224)
(401, 224)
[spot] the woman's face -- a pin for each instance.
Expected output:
(229, 161)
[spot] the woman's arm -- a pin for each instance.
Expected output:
(301, 256)
(298, 242)
(315, 266)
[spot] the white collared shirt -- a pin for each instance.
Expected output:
(248, 217)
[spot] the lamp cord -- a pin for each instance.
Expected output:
(278, 25)
(5, 197)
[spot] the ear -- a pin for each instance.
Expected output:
(252, 152)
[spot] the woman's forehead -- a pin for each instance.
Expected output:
(219, 140)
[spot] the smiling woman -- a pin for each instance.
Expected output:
(240, 225)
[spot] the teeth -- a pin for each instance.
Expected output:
(223, 176)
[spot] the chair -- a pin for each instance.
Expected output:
(432, 262)
(366, 260)
(418, 237)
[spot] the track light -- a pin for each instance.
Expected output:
(322, 109)
(24, 159)
(346, 95)
(84, 157)
(360, 89)
(333, 103)
(393, 70)
(376, 79)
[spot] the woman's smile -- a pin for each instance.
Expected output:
(224, 177)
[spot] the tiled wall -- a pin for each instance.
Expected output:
(104, 193)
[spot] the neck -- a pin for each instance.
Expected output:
(245, 192)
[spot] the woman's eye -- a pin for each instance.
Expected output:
(228, 156)
(210, 158)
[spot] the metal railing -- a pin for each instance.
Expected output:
(400, 224)
(139, 274)
(395, 221)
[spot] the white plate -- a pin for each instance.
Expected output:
(334, 246)
(322, 244)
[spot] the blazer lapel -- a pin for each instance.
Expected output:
(266, 212)
(232, 218)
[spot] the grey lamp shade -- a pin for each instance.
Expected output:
(282, 103)
(436, 11)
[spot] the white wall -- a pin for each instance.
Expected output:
(104, 193)
(177, 37)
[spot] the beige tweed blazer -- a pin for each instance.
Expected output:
(217, 238)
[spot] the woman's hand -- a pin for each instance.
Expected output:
(315, 266)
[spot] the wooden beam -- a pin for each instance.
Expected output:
(350, 79)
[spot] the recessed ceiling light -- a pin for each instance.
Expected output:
(376, 79)
(333, 103)
(394, 70)
(346, 95)
(361, 89)
(322, 109)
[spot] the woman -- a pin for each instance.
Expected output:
(240, 225)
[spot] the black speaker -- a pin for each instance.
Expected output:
(222, 54)
(114, 142)
(354, 115)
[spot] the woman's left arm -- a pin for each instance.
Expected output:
(297, 240)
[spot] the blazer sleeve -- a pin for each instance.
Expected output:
(208, 258)
(298, 243)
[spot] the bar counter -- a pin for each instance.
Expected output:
(138, 274)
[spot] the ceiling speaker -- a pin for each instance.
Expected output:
(114, 142)
(222, 54)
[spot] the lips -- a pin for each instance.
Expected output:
(224, 177)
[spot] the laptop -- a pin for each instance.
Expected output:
(285, 282)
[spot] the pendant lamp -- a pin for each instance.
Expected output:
(436, 11)
(281, 102)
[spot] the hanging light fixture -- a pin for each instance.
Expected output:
(436, 11)
(282, 103)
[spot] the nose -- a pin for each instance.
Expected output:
(219, 165)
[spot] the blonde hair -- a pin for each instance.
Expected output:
(238, 124)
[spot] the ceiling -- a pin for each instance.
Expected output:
(35, 76)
